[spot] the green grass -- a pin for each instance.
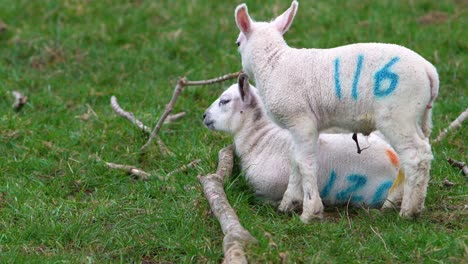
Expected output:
(58, 204)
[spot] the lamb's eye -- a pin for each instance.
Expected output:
(238, 43)
(224, 101)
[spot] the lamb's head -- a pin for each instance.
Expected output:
(234, 108)
(260, 36)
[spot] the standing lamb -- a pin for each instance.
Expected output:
(263, 147)
(359, 87)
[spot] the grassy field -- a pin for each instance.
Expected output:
(59, 204)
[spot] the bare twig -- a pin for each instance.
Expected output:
(455, 124)
(20, 100)
(181, 83)
(128, 115)
(458, 164)
(380, 237)
(214, 80)
(448, 183)
(129, 169)
(185, 167)
(236, 237)
(131, 117)
(174, 117)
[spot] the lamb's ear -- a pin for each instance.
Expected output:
(243, 20)
(244, 86)
(284, 21)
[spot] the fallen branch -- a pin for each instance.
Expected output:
(128, 115)
(458, 164)
(185, 167)
(455, 124)
(236, 237)
(131, 117)
(130, 170)
(20, 100)
(448, 183)
(174, 117)
(181, 83)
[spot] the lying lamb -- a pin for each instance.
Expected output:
(361, 88)
(343, 175)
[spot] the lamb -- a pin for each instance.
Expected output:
(359, 87)
(344, 176)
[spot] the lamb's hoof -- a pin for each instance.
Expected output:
(389, 205)
(410, 213)
(313, 210)
(307, 218)
(289, 206)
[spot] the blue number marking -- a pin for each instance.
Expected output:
(331, 181)
(354, 92)
(358, 182)
(383, 74)
(381, 193)
(337, 79)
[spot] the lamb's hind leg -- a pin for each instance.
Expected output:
(415, 156)
(303, 180)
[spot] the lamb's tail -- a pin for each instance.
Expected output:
(426, 120)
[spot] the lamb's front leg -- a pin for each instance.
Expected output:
(305, 155)
(293, 196)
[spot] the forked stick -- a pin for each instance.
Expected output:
(181, 83)
(236, 237)
(131, 117)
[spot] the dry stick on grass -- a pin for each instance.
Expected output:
(181, 83)
(131, 117)
(455, 124)
(174, 117)
(458, 164)
(129, 169)
(20, 100)
(184, 167)
(236, 237)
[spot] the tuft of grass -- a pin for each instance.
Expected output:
(59, 204)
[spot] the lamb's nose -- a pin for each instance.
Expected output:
(204, 115)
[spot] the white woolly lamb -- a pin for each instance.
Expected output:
(359, 87)
(263, 147)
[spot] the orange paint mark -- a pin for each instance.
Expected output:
(393, 157)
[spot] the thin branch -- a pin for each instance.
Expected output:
(448, 183)
(455, 124)
(236, 237)
(131, 117)
(214, 80)
(20, 100)
(181, 83)
(174, 117)
(178, 89)
(380, 237)
(130, 170)
(128, 115)
(458, 164)
(184, 168)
